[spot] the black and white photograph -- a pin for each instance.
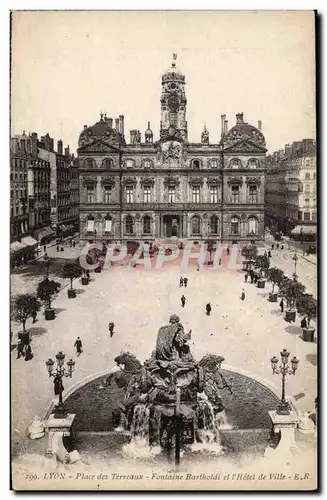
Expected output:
(163, 250)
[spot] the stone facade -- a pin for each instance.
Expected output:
(149, 190)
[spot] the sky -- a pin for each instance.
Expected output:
(68, 66)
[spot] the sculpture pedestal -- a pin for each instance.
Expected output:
(285, 425)
(57, 428)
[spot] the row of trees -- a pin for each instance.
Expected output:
(290, 289)
(26, 306)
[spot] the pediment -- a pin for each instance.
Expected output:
(245, 146)
(97, 147)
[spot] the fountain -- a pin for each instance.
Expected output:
(171, 401)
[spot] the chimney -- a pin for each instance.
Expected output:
(260, 125)
(59, 147)
(51, 144)
(85, 127)
(225, 127)
(133, 136)
(222, 118)
(239, 118)
(67, 151)
(110, 122)
(121, 122)
(307, 144)
(117, 124)
(105, 117)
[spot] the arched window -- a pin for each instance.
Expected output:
(107, 163)
(89, 163)
(196, 164)
(108, 224)
(129, 163)
(147, 163)
(213, 163)
(235, 163)
(214, 224)
(253, 163)
(146, 224)
(234, 226)
(252, 225)
(196, 225)
(307, 201)
(129, 224)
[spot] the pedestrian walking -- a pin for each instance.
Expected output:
(181, 282)
(74, 243)
(78, 345)
(272, 246)
(220, 261)
(269, 254)
(304, 323)
(62, 248)
(208, 309)
(111, 328)
(28, 353)
(281, 305)
(20, 349)
(243, 295)
(34, 315)
(246, 277)
(185, 281)
(183, 300)
(277, 246)
(44, 248)
(198, 267)
(58, 248)
(227, 251)
(88, 274)
(282, 247)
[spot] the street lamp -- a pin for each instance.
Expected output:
(284, 369)
(58, 375)
(46, 265)
(295, 258)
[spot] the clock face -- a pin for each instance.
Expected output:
(173, 102)
(171, 130)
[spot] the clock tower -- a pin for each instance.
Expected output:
(173, 124)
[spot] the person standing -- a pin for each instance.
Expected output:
(28, 353)
(34, 315)
(185, 281)
(44, 248)
(246, 277)
(198, 267)
(281, 305)
(20, 349)
(183, 300)
(303, 323)
(269, 254)
(208, 309)
(78, 345)
(57, 247)
(181, 282)
(243, 295)
(111, 328)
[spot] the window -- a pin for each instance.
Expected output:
(214, 163)
(196, 164)
(146, 225)
(307, 188)
(129, 195)
(306, 216)
(234, 226)
(253, 163)
(17, 210)
(196, 195)
(107, 194)
(214, 194)
(314, 216)
(253, 225)
(299, 215)
(129, 224)
(147, 164)
(307, 201)
(314, 176)
(90, 226)
(90, 194)
(307, 176)
(147, 195)
(11, 194)
(129, 163)
(214, 224)
(196, 225)
(89, 163)
(17, 195)
(235, 194)
(11, 177)
(107, 163)
(173, 118)
(11, 212)
(108, 225)
(253, 194)
(235, 163)
(171, 194)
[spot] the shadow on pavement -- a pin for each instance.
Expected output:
(276, 312)
(79, 291)
(37, 268)
(37, 330)
(293, 330)
(264, 295)
(59, 310)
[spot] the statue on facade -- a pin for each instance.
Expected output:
(205, 136)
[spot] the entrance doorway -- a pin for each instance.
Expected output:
(171, 225)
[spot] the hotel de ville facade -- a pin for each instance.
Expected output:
(147, 190)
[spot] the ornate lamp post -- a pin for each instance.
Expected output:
(58, 375)
(284, 369)
(295, 258)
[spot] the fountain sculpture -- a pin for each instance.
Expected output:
(172, 400)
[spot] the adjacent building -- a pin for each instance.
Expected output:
(146, 189)
(291, 198)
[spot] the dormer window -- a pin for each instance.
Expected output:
(107, 163)
(129, 163)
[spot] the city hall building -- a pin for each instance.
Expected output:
(144, 189)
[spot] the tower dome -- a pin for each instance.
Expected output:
(244, 131)
(173, 73)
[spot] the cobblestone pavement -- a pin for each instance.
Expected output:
(246, 333)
